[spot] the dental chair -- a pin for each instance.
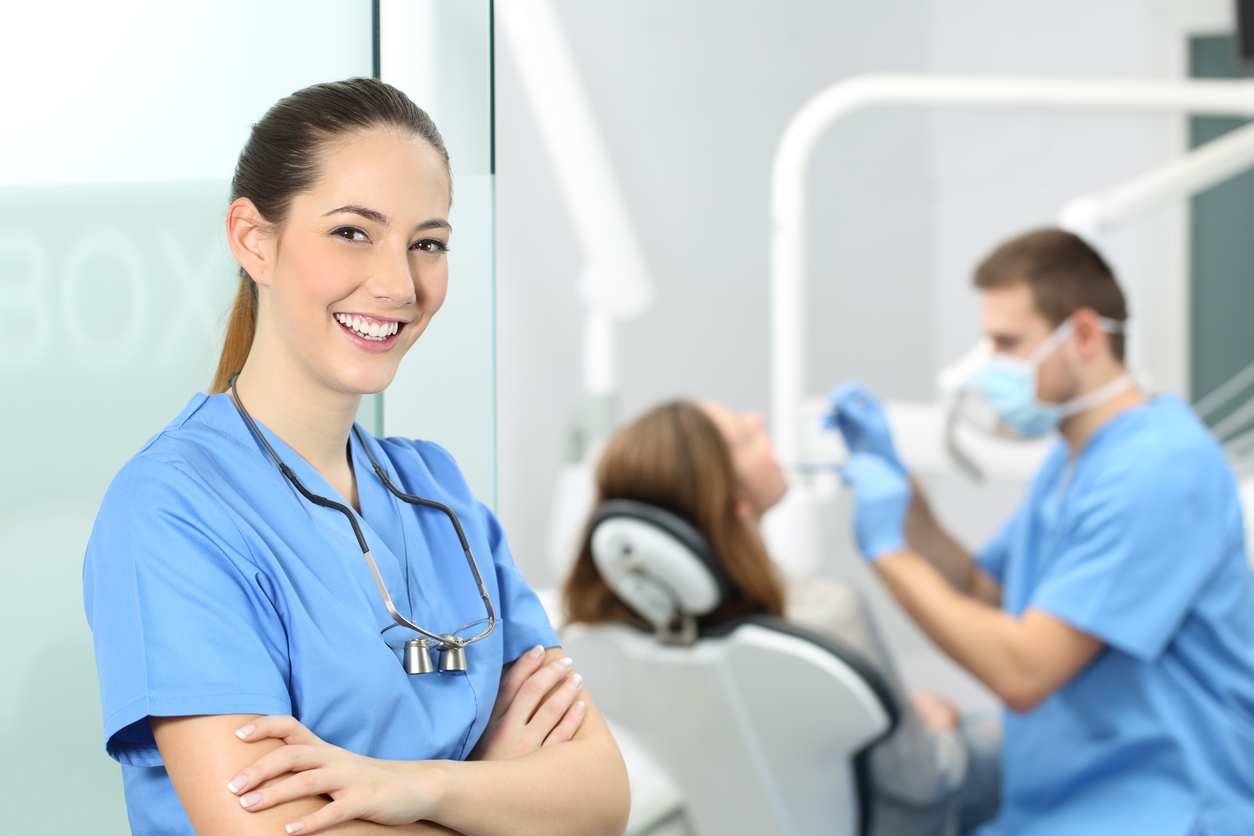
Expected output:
(763, 726)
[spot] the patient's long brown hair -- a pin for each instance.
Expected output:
(674, 457)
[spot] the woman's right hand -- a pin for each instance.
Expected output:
(536, 706)
(935, 711)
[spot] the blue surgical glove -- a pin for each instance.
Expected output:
(881, 499)
(860, 418)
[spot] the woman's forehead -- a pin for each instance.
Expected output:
(728, 422)
(394, 173)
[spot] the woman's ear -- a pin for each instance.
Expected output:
(249, 236)
(745, 510)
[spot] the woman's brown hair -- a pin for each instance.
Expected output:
(674, 457)
(280, 161)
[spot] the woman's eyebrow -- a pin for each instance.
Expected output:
(368, 214)
(382, 220)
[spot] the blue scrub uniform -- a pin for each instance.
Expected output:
(1138, 542)
(212, 587)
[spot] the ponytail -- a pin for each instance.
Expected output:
(240, 329)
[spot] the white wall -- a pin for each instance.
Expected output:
(692, 98)
(997, 173)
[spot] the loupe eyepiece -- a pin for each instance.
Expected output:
(416, 657)
(452, 655)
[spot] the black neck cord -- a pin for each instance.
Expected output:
(361, 539)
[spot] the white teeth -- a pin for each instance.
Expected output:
(368, 329)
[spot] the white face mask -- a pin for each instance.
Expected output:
(1008, 386)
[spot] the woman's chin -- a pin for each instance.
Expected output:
(369, 381)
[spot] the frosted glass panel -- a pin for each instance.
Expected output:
(114, 280)
(139, 90)
(112, 321)
(112, 315)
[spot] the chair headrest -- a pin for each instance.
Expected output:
(656, 562)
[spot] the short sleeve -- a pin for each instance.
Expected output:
(181, 620)
(522, 616)
(1142, 543)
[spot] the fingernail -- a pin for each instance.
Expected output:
(250, 799)
(536, 652)
(243, 731)
(580, 708)
(295, 827)
(566, 662)
(237, 783)
(576, 682)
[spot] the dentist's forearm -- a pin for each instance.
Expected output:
(1023, 659)
(932, 542)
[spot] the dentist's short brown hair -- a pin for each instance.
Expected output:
(1064, 274)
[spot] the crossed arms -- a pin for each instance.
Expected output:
(546, 764)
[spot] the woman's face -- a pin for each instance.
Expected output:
(360, 267)
(761, 478)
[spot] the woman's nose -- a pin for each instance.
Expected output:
(393, 280)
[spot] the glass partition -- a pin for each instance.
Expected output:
(114, 282)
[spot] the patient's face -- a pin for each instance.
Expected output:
(761, 478)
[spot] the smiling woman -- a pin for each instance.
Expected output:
(250, 667)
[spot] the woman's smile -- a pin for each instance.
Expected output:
(370, 333)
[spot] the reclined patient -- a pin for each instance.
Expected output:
(935, 774)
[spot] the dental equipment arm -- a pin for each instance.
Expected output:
(577, 787)
(615, 284)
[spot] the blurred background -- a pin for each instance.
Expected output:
(120, 135)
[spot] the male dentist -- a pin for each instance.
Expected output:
(1114, 612)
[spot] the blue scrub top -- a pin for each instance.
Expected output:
(1137, 541)
(213, 587)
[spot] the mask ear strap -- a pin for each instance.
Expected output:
(1052, 342)
(1112, 326)
(1098, 396)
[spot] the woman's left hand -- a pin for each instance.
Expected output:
(385, 792)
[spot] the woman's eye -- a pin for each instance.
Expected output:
(431, 245)
(350, 233)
